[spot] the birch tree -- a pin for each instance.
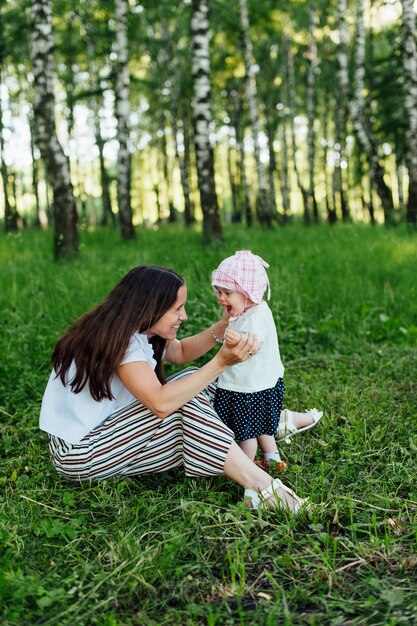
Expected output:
(86, 14)
(311, 108)
(341, 109)
(182, 153)
(202, 116)
(122, 116)
(10, 216)
(236, 117)
(286, 200)
(56, 162)
(330, 195)
(35, 179)
(340, 156)
(409, 58)
(290, 78)
(166, 71)
(179, 156)
(357, 104)
(283, 109)
(263, 205)
(272, 165)
(107, 212)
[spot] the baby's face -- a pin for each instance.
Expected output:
(234, 302)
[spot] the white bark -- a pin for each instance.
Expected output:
(311, 107)
(264, 209)
(179, 138)
(202, 116)
(410, 102)
(95, 108)
(357, 103)
(122, 115)
(56, 162)
(292, 108)
(284, 159)
(10, 216)
(240, 149)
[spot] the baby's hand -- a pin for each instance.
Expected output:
(238, 347)
(231, 337)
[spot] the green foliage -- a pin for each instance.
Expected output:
(166, 550)
(161, 93)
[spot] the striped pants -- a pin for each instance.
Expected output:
(134, 441)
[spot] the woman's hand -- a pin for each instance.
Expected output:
(238, 347)
(225, 315)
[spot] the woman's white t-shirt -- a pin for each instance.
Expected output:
(71, 416)
(262, 370)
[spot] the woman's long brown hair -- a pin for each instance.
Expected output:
(97, 341)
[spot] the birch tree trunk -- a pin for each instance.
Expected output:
(122, 115)
(410, 103)
(284, 111)
(187, 133)
(107, 213)
(330, 190)
(232, 170)
(10, 216)
(272, 167)
(56, 162)
(342, 71)
(180, 113)
(41, 218)
(167, 171)
(164, 97)
(361, 122)
(244, 194)
(311, 107)
(180, 154)
(202, 116)
(292, 107)
(399, 173)
(76, 169)
(340, 157)
(263, 207)
(286, 201)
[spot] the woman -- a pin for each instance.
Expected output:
(109, 411)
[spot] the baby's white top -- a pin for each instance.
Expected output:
(262, 370)
(71, 416)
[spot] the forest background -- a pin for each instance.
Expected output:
(133, 133)
(140, 113)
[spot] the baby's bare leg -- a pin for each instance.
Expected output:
(267, 443)
(249, 447)
(269, 449)
(301, 419)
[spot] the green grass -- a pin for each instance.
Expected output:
(166, 550)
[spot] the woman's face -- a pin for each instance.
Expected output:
(167, 326)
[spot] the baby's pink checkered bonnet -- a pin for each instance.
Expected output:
(245, 273)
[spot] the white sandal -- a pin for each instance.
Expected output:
(259, 499)
(287, 428)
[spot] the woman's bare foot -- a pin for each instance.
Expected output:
(276, 496)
